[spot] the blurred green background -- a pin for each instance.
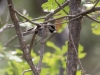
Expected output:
(88, 40)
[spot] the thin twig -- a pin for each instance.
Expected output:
(97, 1)
(94, 1)
(61, 7)
(82, 13)
(92, 18)
(32, 42)
(6, 27)
(29, 31)
(42, 41)
(34, 19)
(88, 11)
(66, 21)
(57, 10)
(49, 37)
(8, 42)
(26, 71)
(44, 33)
(50, 20)
(26, 18)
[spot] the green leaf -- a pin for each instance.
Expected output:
(19, 52)
(2, 71)
(96, 28)
(3, 63)
(2, 48)
(49, 59)
(64, 63)
(44, 71)
(51, 5)
(16, 68)
(52, 45)
(79, 72)
(80, 48)
(9, 71)
(64, 48)
(61, 13)
(81, 54)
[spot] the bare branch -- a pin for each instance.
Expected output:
(50, 20)
(6, 27)
(32, 41)
(12, 39)
(57, 10)
(26, 71)
(94, 1)
(43, 42)
(39, 66)
(29, 31)
(82, 13)
(97, 1)
(20, 37)
(26, 18)
(92, 19)
(61, 7)
(44, 34)
(88, 11)
(66, 21)
(77, 15)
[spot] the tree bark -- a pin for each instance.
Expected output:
(74, 35)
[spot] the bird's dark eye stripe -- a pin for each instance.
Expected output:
(51, 31)
(53, 27)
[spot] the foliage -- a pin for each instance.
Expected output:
(51, 5)
(95, 28)
(51, 61)
(58, 58)
(95, 25)
(12, 62)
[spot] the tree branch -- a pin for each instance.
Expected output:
(26, 18)
(61, 7)
(26, 71)
(57, 10)
(8, 42)
(20, 37)
(74, 35)
(92, 19)
(6, 26)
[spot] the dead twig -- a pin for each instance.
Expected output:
(96, 2)
(26, 18)
(57, 10)
(41, 52)
(29, 31)
(61, 7)
(6, 27)
(12, 39)
(32, 41)
(26, 71)
(92, 18)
